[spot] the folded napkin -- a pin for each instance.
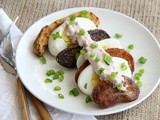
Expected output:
(9, 107)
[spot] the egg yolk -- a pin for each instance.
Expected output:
(105, 47)
(95, 79)
(66, 38)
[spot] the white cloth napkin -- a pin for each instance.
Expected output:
(9, 107)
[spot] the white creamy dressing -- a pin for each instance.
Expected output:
(72, 31)
(86, 41)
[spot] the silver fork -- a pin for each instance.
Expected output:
(6, 50)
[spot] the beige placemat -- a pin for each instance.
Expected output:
(146, 12)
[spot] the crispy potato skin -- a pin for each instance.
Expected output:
(41, 42)
(105, 94)
(116, 52)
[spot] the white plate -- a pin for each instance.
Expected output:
(32, 72)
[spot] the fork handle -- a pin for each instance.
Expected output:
(41, 109)
(23, 100)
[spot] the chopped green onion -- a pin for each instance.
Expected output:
(77, 55)
(74, 92)
(61, 96)
(56, 35)
(118, 35)
(97, 59)
(100, 71)
(113, 75)
(56, 76)
(85, 85)
(142, 60)
(123, 66)
(84, 13)
(107, 59)
(61, 78)
(131, 46)
(72, 19)
(47, 80)
(94, 45)
(50, 72)
(43, 60)
(139, 83)
(92, 55)
(82, 52)
(81, 32)
(60, 72)
(57, 88)
(141, 72)
(88, 99)
(137, 76)
(119, 86)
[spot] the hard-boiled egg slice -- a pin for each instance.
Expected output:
(85, 23)
(106, 43)
(56, 46)
(110, 43)
(88, 78)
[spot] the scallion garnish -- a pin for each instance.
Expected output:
(100, 71)
(113, 75)
(56, 76)
(142, 60)
(119, 86)
(141, 72)
(137, 76)
(84, 13)
(61, 96)
(72, 19)
(123, 66)
(57, 88)
(88, 99)
(107, 59)
(81, 32)
(56, 35)
(139, 83)
(61, 78)
(43, 60)
(85, 85)
(130, 46)
(82, 51)
(92, 55)
(74, 92)
(94, 45)
(60, 72)
(118, 35)
(50, 72)
(47, 80)
(97, 59)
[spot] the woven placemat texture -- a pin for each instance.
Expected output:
(146, 12)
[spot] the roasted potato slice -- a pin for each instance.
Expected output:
(105, 94)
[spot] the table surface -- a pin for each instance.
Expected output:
(146, 12)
